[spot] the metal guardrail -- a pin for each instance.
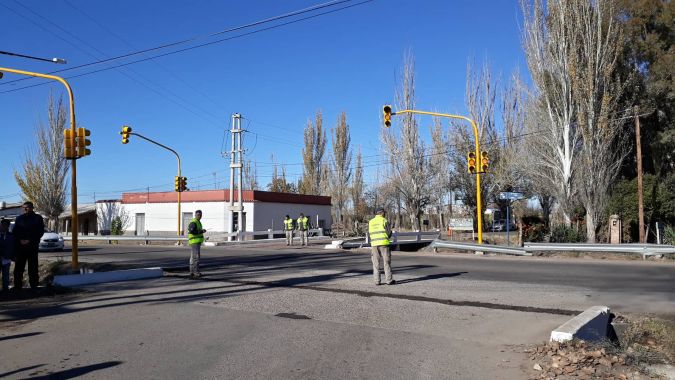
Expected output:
(417, 237)
(642, 249)
(479, 248)
(241, 236)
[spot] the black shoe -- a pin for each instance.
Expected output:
(392, 282)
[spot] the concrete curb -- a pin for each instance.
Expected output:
(112, 276)
(591, 325)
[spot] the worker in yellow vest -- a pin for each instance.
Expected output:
(288, 228)
(303, 228)
(379, 233)
(195, 240)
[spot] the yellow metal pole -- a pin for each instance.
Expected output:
(179, 215)
(73, 177)
(179, 171)
(479, 202)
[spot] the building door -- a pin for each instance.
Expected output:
(187, 218)
(140, 224)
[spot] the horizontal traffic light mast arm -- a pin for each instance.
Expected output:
(161, 145)
(178, 230)
(479, 207)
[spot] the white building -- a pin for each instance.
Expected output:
(156, 213)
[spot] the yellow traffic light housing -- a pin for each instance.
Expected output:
(386, 111)
(471, 162)
(126, 131)
(484, 161)
(83, 142)
(180, 184)
(68, 144)
(177, 184)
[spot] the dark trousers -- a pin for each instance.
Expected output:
(25, 254)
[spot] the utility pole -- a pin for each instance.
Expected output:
(236, 164)
(638, 153)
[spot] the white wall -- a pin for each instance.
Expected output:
(268, 213)
(162, 217)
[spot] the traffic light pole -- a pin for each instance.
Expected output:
(178, 231)
(73, 161)
(479, 205)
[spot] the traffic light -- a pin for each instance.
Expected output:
(125, 134)
(471, 162)
(83, 142)
(386, 111)
(68, 144)
(180, 184)
(484, 161)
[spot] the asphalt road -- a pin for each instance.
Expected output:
(269, 312)
(631, 286)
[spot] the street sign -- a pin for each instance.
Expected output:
(461, 224)
(512, 196)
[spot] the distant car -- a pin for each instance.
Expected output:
(499, 226)
(51, 241)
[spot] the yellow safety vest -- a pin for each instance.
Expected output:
(196, 238)
(288, 224)
(378, 232)
(303, 223)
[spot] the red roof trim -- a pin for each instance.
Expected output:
(224, 196)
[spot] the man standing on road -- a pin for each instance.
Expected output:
(288, 227)
(379, 233)
(303, 227)
(195, 239)
(28, 229)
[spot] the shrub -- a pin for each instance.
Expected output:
(564, 234)
(669, 235)
(534, 232)
(116, 226)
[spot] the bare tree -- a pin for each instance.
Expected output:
(410, 170)
(598, 90)
(440, 166)
(44, 172)
(109, 213)
(357, 188)
(480, 99)
(547, 40)
(279, 183)
(312, 156)
(250, 176)
(340, 163)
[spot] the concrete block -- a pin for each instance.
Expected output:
(591, 325)
(112, 276)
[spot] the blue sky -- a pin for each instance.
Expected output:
(277, 79)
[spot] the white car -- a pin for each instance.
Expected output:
(51, 241)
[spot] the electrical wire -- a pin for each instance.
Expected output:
(306, 10)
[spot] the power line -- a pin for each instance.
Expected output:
(253, 24)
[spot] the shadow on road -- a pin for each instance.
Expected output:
(18, 336)
(431, 277)
(20, 370)
(79, 371)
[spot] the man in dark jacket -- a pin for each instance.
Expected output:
(28, 229)
(6, 251)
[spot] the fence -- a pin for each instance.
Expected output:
(528, 248)
(239, 236)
